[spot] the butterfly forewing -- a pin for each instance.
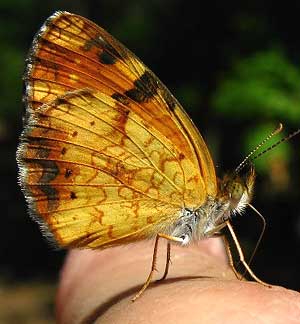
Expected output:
(108, 155)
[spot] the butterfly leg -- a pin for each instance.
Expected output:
(168, 261)
(241, 255)
(230, 259)
(148, 281)
(229, 254)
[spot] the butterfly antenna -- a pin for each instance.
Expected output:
(288, 137)
(247, 158)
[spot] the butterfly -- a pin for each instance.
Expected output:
(108, 156)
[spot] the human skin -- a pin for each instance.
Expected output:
(97, 287)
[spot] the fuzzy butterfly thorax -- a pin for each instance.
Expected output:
(234, 194)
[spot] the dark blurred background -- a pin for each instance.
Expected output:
(235, 69)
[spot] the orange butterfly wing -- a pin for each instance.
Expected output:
(71, 176)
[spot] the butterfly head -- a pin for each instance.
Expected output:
(237, 190)
(234, 194)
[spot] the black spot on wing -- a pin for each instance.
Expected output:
(48, 190)
(68, 173)
(168, 98)
(144, 88)
(106, 58)
(61, 101)
(73, 195)
(108, 54)
(121, 98)
(50, 172)
(181, 156)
